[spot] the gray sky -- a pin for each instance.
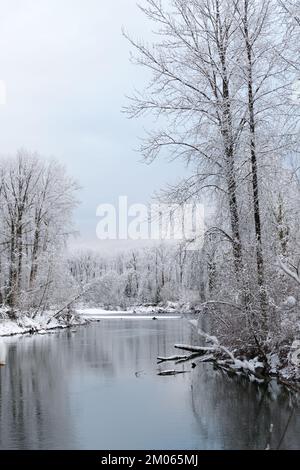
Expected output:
(67, 71)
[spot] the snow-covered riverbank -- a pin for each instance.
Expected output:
(40, 324)
(259, 369)
(280, 364)
(94, 314)
(46, 321)
(167, 308)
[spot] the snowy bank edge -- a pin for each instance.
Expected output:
(40, 324)
(284, 376)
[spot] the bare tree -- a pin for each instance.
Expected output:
(37, 200)
(193, 88)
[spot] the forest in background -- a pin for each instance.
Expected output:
(224, 92)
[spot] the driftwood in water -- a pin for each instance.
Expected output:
(194, 349)
(191, 357)
(196, 352)
(161, 359)
(221, 357)
(225, 360)
(177, 359)
(206, 358)
(166, 373)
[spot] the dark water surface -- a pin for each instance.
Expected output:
(98, 388)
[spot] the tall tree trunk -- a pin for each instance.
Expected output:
(34, 256)
(19, 250)
(12, 278)
(254, 167)
(231, 174)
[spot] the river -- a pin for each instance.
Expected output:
(98, 388)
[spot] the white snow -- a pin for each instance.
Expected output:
(290, 302)
(99, 311)
(100, 314)
(140, 313)
(250, 365)
(26, 324)
(2, 353)
(274, 362)
(169, 308)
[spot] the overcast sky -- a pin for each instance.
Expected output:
(67, 71)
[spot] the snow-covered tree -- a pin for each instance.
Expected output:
(37, 199)
(222, 75)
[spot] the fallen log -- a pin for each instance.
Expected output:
(206, 358)
(252, 368)
(194, 349)
(178, 359)
(189, 358)
(165, 373)
(171, 358)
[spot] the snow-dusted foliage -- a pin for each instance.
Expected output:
(224, 89)
(36, 203)
(152, 275)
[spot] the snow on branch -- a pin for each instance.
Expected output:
(289, 272)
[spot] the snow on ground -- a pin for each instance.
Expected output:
(26, 324)
(133, 317)
(98, 313)
(140, 311)
(168, 308)
(90, 312)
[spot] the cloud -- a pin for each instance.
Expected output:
(67, 71)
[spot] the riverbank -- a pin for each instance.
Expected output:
(41, 323)
(281, 364)
(163, 308)
(96, 314)
(260, 368)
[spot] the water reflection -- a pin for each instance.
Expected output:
(98, 389)
(237, 414)
(2, 353)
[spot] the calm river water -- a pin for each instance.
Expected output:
(98, 388)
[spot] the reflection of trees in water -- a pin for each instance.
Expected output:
(36, 383)
(32, 404)
(233, 413)
(2, 352)
(131, 345)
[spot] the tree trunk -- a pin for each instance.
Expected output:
(254, 170)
